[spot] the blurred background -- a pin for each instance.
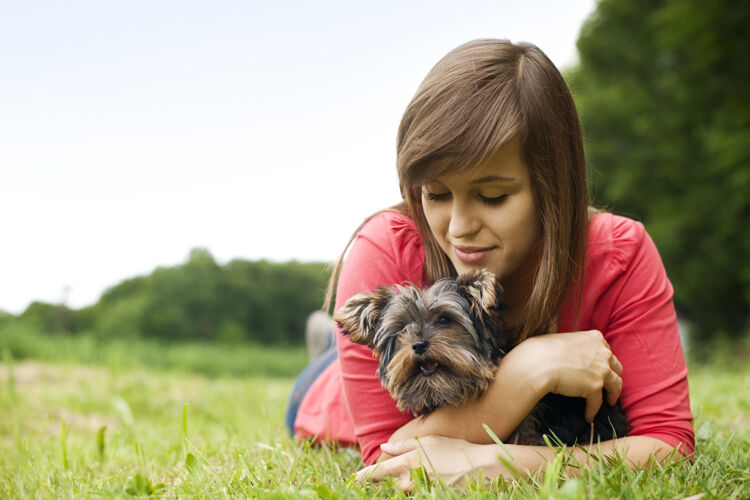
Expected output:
(179, 175)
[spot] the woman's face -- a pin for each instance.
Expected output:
(486, 218)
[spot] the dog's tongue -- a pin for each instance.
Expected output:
(428, 367)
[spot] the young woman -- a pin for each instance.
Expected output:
(491, 167)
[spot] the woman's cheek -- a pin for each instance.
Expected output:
(438, 221)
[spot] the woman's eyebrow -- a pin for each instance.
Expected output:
(493, 178)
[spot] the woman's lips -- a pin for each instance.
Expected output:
(471, 255)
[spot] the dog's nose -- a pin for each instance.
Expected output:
(420, 346)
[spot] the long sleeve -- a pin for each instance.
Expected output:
(628, 297)
(346, 403)
(387, 251)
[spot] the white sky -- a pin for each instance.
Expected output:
(131, 132)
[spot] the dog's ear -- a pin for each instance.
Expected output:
(360, 316)
(485, 297)
(482, 291)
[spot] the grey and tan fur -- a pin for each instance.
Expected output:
(441, 345)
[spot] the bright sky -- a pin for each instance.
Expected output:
(131, 132)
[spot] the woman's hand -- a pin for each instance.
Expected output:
(457, 461)
(453, 460)
(577, 364)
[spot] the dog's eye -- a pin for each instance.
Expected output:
(444, 320)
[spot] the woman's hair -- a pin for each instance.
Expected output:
(480, 96)
(477, 98)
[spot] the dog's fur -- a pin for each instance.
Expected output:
(440, 346)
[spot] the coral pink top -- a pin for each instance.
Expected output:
(626, 296)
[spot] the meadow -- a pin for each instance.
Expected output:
(121, 424)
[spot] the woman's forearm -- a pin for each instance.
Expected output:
(531, 460)
(576, 364)
(509, 399)
(456, 460)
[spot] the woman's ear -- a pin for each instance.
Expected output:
(360, 316)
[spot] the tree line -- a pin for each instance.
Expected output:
(260, 301)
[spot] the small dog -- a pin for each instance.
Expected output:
(441, 346)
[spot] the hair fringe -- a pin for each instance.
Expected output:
(477, 98)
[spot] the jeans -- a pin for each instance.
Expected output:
(305, 381)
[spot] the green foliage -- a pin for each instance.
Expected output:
(662, 91)
(48, 317)
(140, 486)
(183, 302)
(273, 301)
(199, 300)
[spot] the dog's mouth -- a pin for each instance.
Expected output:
(428, 367)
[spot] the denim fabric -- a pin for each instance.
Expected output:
(305, 381)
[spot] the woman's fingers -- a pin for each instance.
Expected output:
(613, 386)
(577, 364)
(399, 447)
(405, 483)
(614, 363)
(395, 467)
(375, 472)
(612, 382)
(450, 459)
(365, 473)
(593, 403)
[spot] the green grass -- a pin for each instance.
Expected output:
(81, 431)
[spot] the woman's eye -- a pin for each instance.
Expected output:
(497, 200)
(437, 196)
(444, 320)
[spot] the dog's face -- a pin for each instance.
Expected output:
(438, 346)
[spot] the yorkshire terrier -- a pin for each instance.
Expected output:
(441, 345)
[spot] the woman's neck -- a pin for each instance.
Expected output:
(517, 290)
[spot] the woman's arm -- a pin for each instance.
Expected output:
(387, 250)
(456, 460)
(635, 308)
(578, 364)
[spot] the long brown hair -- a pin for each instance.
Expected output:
(477, 98)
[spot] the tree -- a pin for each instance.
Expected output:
(49, 318)
(201, 300)
(662, 88)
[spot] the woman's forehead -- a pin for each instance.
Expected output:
(506, 165)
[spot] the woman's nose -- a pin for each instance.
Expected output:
(464, 222)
